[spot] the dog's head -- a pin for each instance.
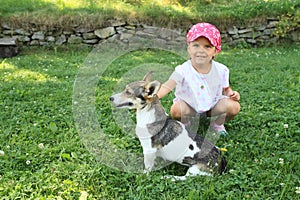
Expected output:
(137, 95)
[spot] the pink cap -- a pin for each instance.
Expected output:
(206, 30)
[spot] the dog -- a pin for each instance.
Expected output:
(161, 136)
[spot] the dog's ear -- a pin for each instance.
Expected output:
(148, 76)
(152, 88)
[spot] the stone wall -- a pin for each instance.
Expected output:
(256, 35)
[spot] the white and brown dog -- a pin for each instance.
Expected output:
(161, 136)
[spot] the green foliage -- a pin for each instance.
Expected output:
(44, 157)
(288, 22)
(165, 13)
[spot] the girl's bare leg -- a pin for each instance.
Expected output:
(225, 110)
(182, 111)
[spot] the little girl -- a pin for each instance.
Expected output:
(202, 84)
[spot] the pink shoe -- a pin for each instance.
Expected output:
(219, 129)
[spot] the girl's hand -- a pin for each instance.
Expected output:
(234, 95)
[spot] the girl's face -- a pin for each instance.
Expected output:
(201, 52)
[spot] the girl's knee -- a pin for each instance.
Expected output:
(235, 108)
(181, 109)
(175, 111)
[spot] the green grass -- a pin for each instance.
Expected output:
(173, 13)
(36, 108)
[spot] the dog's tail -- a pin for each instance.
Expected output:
(222, 164)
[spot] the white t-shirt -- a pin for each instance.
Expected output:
(200, 91)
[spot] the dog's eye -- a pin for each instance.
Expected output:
(127, 93)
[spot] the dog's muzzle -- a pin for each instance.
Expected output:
(120, 104)
(111, 98)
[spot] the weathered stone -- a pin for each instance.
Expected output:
(21, 31)
(272, 19)
(226, 38)
(294, 36)
(256, 34)
(251, 41)
(68, 32)
(8, 47)
(6, 26)
(236, 42)
(232, 30)
(150, 29)
(273, 40)
(23, 38)
(144, 34)
(91, 41)
(264, 37)
(245, 31)
(8, 41)
(73, 39)
(8, 32)
(246, 35)
(268, 31)
(160, 41)
(118, 23)
(34, 43)
(50, 39)
(113, 38)
(260, 28)
(43, 43)
(124, 36)
(38, 36)
(89, 36)
(135, 39)
(272, 24)
(181, 38)
(83, 30)
(120, 29)
(61, 39)
(168, 33)
(130, 27)
(235, 37)
(105, 32)
(173, 43)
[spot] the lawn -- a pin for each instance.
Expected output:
(46, 151)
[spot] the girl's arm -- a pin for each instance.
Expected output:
(165, 88)
(234, 95)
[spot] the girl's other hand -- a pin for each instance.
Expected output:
(234, 96)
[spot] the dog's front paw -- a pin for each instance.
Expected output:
(174, 178)
(147, 172)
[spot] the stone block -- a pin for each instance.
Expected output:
(21, 31)
(150, 29)
(90, 41)
(50, 39)
(61, 39)
(118, 23)
(34, 43)
(232, 30)
(9, 47)
(145, 34)
(272, 24)
(89, 36)
(38, 36)
(73, 39)
(124, 36)
(247, 35)
(23, 38)
(251, 41)
(247, 30)
(105, 32)
(168, 33)
(8, 32)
